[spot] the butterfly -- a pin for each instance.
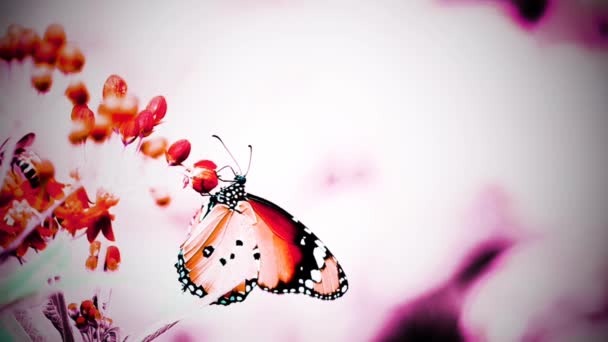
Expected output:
(242, 241)
(25, 159)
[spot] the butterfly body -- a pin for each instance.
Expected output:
(243, 241)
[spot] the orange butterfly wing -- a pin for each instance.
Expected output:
(217, 258)
(292, 258)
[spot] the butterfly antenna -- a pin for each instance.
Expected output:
(227, 150)
(250, 154)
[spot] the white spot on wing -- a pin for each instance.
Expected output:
(308, 283)
(315, 275)
(319, 255)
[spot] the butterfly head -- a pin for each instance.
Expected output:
(240, 179)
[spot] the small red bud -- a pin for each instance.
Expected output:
(145, 121)
(178, 152)
(158, 107)
(114, 86)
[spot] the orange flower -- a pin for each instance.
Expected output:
(98, 218)
(70, 214)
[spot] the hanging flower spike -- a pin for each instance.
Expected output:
(204, 177)
(112, 259)
(158, 107)
(78, 94)
(154, 147)
(178, 152)
(114, 86)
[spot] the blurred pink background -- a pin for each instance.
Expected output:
(403, 133)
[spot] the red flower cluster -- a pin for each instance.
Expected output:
(90, 321)
(49, 52)
(117, 113)
(203, 174)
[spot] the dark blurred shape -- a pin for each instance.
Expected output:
(531, 10)
(427, 324)
(603, 28)
(435, 316)
(479, 261)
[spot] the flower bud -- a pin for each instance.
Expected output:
(178, 152)
(112, 259)
(114, 86)
(145, 122)
(158, 107)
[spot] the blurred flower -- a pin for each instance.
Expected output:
(73, 311)
(45, 53)
(154, 147)
(161, 197)
(118, 110)
(42, 78)
(77, 93)
(70, 59)
(55, 34)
